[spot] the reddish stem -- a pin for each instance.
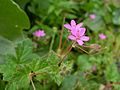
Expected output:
(61, 35)
(68, 50)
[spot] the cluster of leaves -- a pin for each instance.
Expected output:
(32, 63)
(17, 68)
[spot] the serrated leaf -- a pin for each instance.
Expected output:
(15, 69)
(11, 86)
(114, 76)
(19, 69)
(24, 51)
(8, 69)
(53, 58)
(21, 81)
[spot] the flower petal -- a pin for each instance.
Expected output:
(67, 26)
(39, 33)
(74, 32)
(79, 25)
(84, 38)
(43, 33)
(102, 36)
(73, 23)
(80, 42)
(82, 31)
(92, 16)
(71, 37)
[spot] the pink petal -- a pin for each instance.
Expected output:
(67, 26)
(73, 23)
(36, 34)
(82, 31)
(71, 37)
(84, 38)
(74, 32)
(92, 16)
(39, 33)
(102, 36)
(42, 33)
(80, 42)
(79, 25)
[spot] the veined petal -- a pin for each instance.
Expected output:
(71, 37)
(84, 38)
(80, 42)
(67, 26)
(73, 23)
(79, 25)
(82, 31)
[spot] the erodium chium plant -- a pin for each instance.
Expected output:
(59, 45)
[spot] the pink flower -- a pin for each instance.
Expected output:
(39, 33)
(73, 26)
(76, 32)
(92, 16)
(79, 36)
(102, 36)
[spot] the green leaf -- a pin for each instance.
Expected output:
(96, 24)
(15, 69)
(19, 68)
(2, 84)
(11, 86)
(116, 17)
(8, 73)
(69, 83)
(22, 3)
(6, 47)
(19, 82)
(83, 63)
(23, 56)
(42, 8)
(24, 51)
(71, 16)
(111, 73)
(50, 67)
(12, 20)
